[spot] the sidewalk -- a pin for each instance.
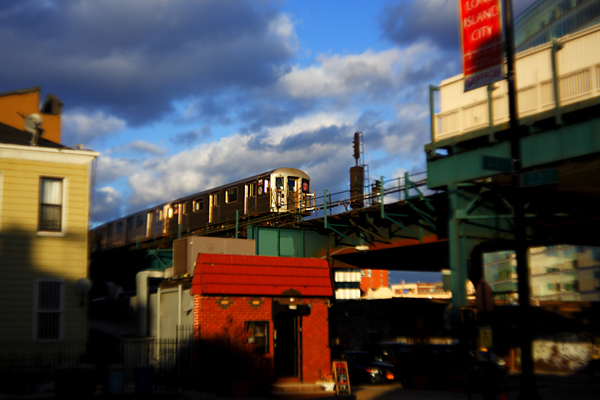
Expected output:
(549, 386)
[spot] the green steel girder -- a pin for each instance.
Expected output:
(357, 231)
(560, 143)
(407, 197)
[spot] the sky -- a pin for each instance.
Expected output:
(179, 96)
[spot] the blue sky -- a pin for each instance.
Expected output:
(183, 95)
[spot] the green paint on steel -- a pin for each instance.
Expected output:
(558, 144)
(497, 164)
(540, 177)
(157, 260)
(287, 242)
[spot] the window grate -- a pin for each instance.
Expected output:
(49, 308)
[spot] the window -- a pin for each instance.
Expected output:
(139, 221)
(259, 335)
(184, 208)
(157, 215)
(251, 190)
(198, 204)
(214, 199)
(119, 227)
(231, 195)
(49, 299)
(279, 183)
(51, 200)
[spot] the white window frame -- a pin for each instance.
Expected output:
(59, 310)
(198, 204)
(63, 211)
(227, 199)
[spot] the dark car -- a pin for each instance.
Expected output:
(363, 367)
(440, 366)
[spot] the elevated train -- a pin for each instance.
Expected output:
(279, 191)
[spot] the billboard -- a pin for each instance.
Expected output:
(481, 38)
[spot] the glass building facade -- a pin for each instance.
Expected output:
(557, 273)
(548, 19)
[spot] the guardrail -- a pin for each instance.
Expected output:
(549, 77)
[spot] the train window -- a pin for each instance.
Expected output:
(231, 195)
(198, 204)
(119, 227)
(215, 200)
(251, 190)
(139, 221)
(184, 208)
(129, 223)
(158, 214)
(279, 183)
(175, 209)
(291, 184)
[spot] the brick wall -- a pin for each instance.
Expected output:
(315, 342)
(211, 313)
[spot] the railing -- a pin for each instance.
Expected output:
(578, 79)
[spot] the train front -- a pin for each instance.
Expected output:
(290, 191)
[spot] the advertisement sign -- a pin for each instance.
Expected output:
(340, 376)
(481, 37)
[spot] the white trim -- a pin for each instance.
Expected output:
(63, 214)
(61, 308)
(36, 153)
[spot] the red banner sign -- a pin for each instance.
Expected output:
(481, 31)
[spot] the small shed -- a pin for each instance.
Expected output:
(282, 304)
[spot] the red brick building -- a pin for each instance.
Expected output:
(282, 301)
(374, 279)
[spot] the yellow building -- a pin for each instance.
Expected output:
(44, 214)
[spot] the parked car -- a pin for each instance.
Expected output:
(363, 367)
(440, 366)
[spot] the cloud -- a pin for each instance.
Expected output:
(336, 76)
(132, 59)
(183, 73)
(141, 147)
(191, 137)
(435, 21)
(408, 21)
(311, 144)
(83, 127)
(111, 169)
(106, 201)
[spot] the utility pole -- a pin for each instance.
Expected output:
(528, 385)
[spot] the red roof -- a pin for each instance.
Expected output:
(223, 274)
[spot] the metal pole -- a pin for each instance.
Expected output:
(528, 385)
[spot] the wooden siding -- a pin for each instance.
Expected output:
(27, 255)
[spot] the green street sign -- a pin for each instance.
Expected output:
(538, 178)
(497, 164)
